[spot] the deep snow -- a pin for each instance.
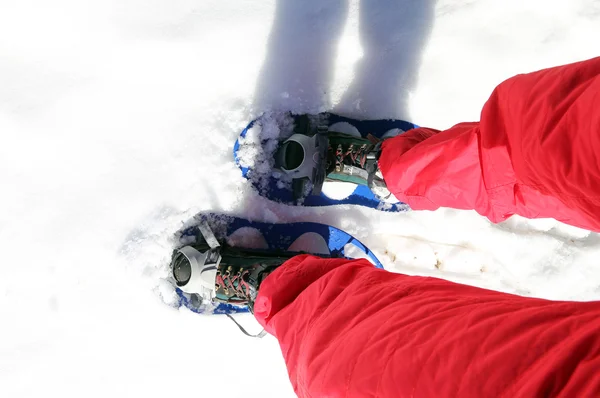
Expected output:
(117, 121)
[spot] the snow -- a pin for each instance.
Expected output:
(117, 121)
(258, 147)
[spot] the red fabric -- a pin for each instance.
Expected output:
(536, 152)
(347, 329)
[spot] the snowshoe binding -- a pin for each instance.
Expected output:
(318, 159)
(220, 261)
(220, 273)
(315, 153)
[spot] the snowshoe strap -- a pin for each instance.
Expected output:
(319, 171)
(303, 157)
(258, 336)
(208, 235)
(371, 165)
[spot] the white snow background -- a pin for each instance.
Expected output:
(117, 120)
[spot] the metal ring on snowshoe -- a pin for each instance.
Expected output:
(194, 271)
(303, 157)
(296, 156)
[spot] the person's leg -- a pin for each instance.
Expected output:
(534, 153)
(348, 329)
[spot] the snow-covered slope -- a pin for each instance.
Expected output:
(117, 121)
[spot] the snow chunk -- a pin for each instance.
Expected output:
(257, 149)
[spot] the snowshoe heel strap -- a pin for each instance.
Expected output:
(319, 171)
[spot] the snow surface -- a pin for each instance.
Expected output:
(117, 121)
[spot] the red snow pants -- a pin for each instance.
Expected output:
(347, 329)
(535, 152)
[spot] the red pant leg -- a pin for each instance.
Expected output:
(534, 153)
(347, 329)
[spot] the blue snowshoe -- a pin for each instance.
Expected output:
(294, 159)
(222, 259)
